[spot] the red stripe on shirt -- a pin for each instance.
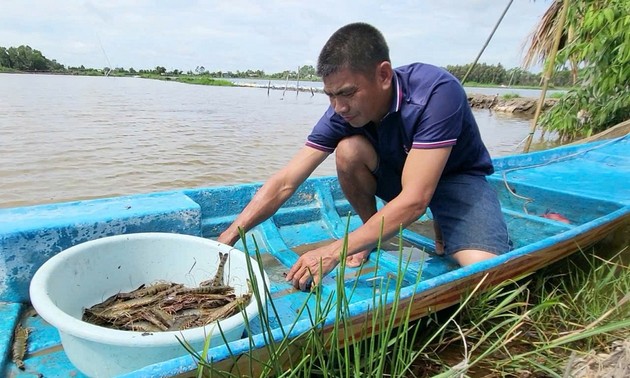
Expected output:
(442, 143)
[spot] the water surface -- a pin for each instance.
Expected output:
(66, 138)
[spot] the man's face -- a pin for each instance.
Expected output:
(357, 97)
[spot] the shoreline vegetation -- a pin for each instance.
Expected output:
(24, 59)
(509, 103)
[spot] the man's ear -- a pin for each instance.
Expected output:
(384, 74)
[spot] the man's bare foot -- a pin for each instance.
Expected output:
(439, 247)
(357, 259)
(439, 240)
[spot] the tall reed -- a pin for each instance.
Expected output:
(535, 325)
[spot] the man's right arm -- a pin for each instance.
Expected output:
(275, 192)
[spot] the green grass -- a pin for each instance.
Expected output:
(204, 80)
(509, 96)
(557, 95)
(379, 348)
(529, 326)
(537, 323)
(200, 80)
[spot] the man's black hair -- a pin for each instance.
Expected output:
(359, 47)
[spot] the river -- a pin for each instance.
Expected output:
(74, 137)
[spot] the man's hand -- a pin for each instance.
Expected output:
(306, 271)
(225, 238)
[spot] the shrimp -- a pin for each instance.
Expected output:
(19, 346)
(218, 277)
(146, 291)
(215, 289)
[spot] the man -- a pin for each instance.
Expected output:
(407, 136)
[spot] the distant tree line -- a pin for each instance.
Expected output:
(489, 74)
(303, 73)
(25, 58)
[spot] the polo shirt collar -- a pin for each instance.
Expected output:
(397, 95)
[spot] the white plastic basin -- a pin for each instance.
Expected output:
(88, 273)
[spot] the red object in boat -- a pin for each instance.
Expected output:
(555, 216)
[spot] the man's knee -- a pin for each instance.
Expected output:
(354, 150)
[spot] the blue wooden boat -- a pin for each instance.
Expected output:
(555, 202)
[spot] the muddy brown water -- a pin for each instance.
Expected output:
(71, 137)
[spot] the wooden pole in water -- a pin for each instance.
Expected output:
(548, 71)
(285, 86)
(297, 86)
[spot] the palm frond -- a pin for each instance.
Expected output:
(540, 41)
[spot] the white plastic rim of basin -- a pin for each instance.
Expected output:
(71, 325)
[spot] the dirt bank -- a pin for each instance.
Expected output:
(613, 362)
(523, 106)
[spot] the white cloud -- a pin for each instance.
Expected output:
(271, 35)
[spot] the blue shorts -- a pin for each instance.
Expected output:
(465, 207)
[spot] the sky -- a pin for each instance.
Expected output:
(268, 35)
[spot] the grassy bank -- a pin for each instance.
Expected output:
(542, 325)
(200, 80)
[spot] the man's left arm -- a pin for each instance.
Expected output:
(420, 177)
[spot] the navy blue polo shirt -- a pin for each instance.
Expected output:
(429, 109)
